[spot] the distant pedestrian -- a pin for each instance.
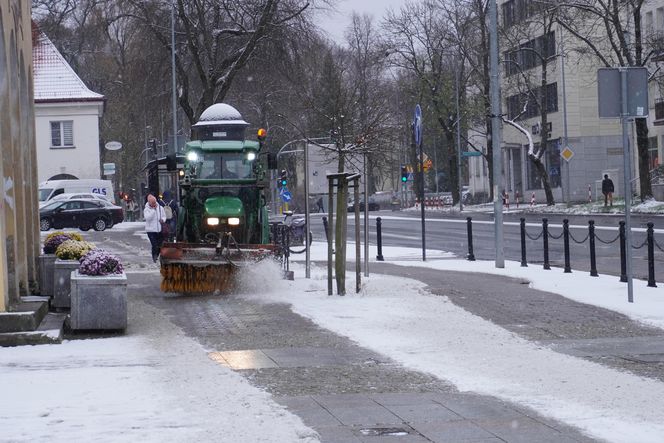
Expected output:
(319, 205)
(607, 190)
(154, 217)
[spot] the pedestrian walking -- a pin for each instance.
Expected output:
(319, 205)
(607, 190)
(154, 216)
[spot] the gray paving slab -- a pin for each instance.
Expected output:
(617, 346)
(524, 430)
(453, 431)
(423, 413)
(476, 407)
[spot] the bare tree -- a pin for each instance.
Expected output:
(421, 39)
(532, 45)
(216, 39)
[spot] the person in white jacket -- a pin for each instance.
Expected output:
(154, 216)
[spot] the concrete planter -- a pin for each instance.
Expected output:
(46, 269)
(61, 282)
(98, 302)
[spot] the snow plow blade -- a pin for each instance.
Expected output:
(204, 268)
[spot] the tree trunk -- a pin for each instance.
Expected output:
(541, 170)
(340, 236)
(644, 158)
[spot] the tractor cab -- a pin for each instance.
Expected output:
(222, 188)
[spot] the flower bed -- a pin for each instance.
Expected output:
(47, 259)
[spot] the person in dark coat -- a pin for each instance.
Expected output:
(607, 190)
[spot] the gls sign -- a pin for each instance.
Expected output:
(101, 191)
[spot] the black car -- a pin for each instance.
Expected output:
(79, 213)
(373, 205)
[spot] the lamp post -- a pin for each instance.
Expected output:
(174, 86)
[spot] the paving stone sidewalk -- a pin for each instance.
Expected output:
(348, 394)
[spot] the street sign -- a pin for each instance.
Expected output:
(417, 125)
(567, 154)
(470, 154)
(113, 146)
(609, 90)
(109, 168)
(286, 196)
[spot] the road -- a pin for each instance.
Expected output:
(448, 232)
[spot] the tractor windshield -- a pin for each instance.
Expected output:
(226, 165)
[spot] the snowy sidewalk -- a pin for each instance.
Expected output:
(151, 385)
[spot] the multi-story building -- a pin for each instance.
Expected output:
(571, 104)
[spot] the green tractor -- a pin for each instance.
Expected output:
(223, 222)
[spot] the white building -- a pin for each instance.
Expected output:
(67, 117)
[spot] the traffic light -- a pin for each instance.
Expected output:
(283, 178)
(404, 174)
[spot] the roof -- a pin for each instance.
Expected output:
(221, 114)
(55, 80)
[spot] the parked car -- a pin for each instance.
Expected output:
(373, 205)
(84, 214)
(75, 195)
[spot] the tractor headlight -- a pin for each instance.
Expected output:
(213, 221)
(251, 156)
(233, 221)
(192, 156)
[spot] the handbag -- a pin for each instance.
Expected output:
(165, 228)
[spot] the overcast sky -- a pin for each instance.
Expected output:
(334, 24)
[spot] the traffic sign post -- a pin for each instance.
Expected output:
(630, 104)
(109, 168)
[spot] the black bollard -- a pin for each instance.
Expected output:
(623, 253)
(379, 238)
(545, 240)
(568, 266)
(651, 256)
(469, 225)
(524, 263)
(593, 258)
(325, 228)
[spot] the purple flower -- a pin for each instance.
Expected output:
(52, 243)
(100, 262)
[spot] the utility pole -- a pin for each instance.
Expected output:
(495, 134)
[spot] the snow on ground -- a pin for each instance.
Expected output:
(152, 385)
(155, 384)
(397, 317)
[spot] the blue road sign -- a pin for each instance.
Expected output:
(417, 125)
(470, 154)
(285, 195)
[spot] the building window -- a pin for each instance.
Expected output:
(653, 153)
(62, 134)
(515, 103)
(530, 54)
